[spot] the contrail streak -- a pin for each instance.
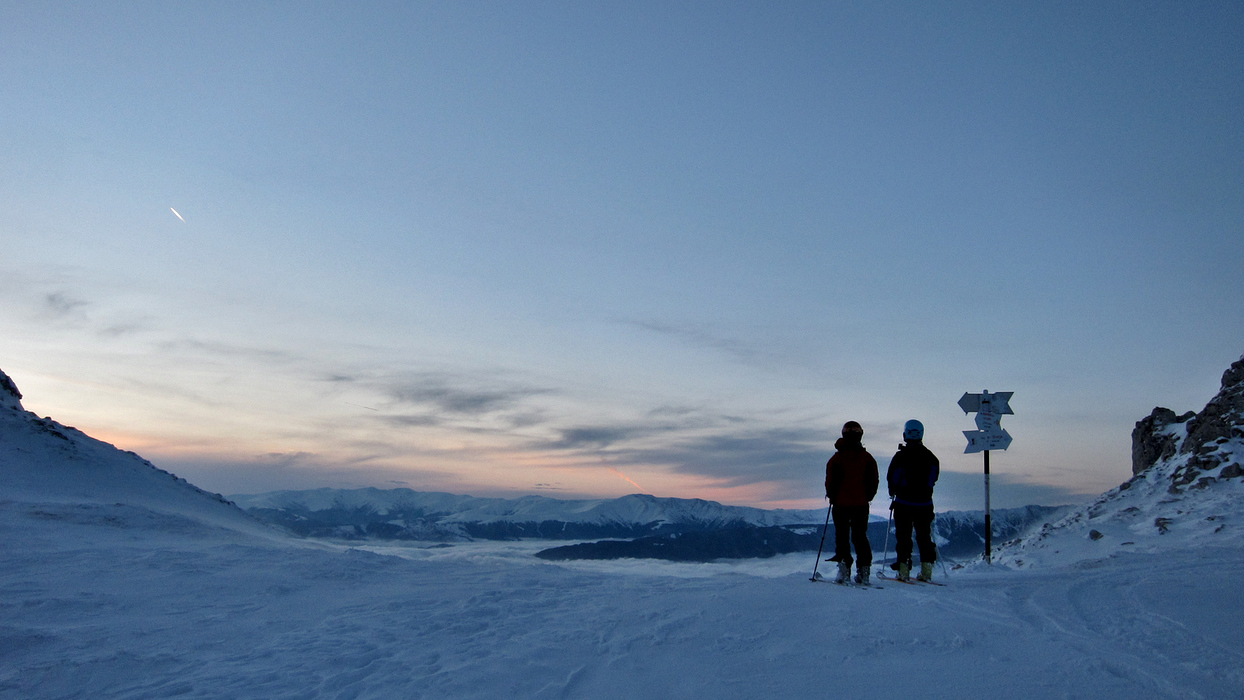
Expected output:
(625, 478)
(183, 219)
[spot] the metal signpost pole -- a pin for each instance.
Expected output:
(989, 435)
(988, 523)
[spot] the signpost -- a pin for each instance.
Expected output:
(989, 435)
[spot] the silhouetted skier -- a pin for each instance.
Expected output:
(850, 483)
(912, 474)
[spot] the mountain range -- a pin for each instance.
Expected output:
(634, 526)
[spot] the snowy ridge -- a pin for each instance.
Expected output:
(1189, 497)
(69, 474)
(408, 514)
(450, 508)
(960, 534)
(656, 528)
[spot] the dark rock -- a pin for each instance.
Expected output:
(1223, 416)
(1095, 535)
(1231, 471)
(1185, 476)
(1151, 442)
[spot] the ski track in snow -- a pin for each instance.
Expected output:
(116, 601)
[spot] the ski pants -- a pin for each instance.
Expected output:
(921, 518)
(851, 527)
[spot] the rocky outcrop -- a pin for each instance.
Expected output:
(1186, 491)
(1222, 419)
(1208, 439)
(1157, 437)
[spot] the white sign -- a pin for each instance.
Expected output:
(989, 410)
(1000, 402)
(979, 441)
(987, 422)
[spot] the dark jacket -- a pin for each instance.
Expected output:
(851, 474)
(912, 474)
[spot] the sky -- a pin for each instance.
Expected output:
(586, 249)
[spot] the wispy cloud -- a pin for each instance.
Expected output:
(411, 421)
(662, 421)
(742, 458)
(298, 470)
(594, 437)
(730, 451)
(122, 329)
(61, 304)
(700, 336)
(229, 350)
(456, 395)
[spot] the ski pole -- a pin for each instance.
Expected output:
(885, 550)
(822, 546)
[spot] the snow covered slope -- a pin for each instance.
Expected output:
(71, 475)
(1186, 491)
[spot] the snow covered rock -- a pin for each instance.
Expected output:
(1157, 437)
(1185, 490)
(1215, 436)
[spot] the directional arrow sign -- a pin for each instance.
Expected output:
(987, 422)
(998, 403)
(980, 440)
(989, 409)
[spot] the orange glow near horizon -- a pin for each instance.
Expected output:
(576, 475)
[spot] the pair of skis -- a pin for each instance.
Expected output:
(817, 578)
(911, 581)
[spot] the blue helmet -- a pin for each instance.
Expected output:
(913, 430)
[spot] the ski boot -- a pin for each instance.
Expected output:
(861, 575)
(844, 573)
(904, 571)
(926, 571)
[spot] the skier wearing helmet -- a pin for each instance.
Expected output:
(912, 474)
(851, 480)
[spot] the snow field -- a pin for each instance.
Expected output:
(118, 601)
